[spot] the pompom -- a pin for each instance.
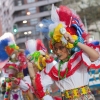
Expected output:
(31, 45)
(35, 56)
(4, 42)
(9, 50)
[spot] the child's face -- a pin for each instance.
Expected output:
(12, 72)
(60, 50)
(14, 86)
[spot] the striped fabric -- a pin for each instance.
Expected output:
(94, 81)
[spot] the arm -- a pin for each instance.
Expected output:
(42, 84)
(93, 55)
(22, 84)
(32, 72)
(29, 95)
(40, 81)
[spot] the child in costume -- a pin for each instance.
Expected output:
(67, 35)
(36, 55)
(18, 88)
(13, 63)
(36, 62)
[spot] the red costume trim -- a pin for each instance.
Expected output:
(92, 65)
(7, 66)
(27, 89)
(54, 72)
(50, 60)
(39, 89)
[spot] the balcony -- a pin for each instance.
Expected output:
(24, 38)
(23, 29)
(35, 4)
(36, 15)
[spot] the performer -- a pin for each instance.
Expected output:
(36, 54)
(67, 35)
(19, 87)
(13, 62)
(37, 63)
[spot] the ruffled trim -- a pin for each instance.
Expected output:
(7, 66)
(86, 60)
(39, 88)
(27, 89)
(54, 73)
(57, 98)
(73, 64)
(50, 60)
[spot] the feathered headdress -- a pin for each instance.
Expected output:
(37, 51)
(7, 43)
(10, 54)
(63, 17)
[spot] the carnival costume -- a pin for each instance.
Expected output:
(13, 60)
(38, 53)
(70, 76)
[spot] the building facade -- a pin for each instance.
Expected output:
(21, 17)
(6, 7)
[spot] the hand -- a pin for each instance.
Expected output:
(30, 63)
(15, 80)
(69, 38)
(29, 58)
(47, 56)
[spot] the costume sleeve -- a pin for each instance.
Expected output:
(49, 64)
(25, 83)
(87, 61)
(43, 83)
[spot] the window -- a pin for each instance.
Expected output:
(0, 10)
(34, 31)
(7, 11)
(4, 13)
(3, 4)
(33, 21)
(32, 10)
(11, 7)
(7, 3)
(9, 21)
(29, 1)
(19, 2)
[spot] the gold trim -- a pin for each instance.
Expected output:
(77, 92)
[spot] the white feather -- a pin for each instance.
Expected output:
(54, 15)
(9, 36)
(31, 45)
